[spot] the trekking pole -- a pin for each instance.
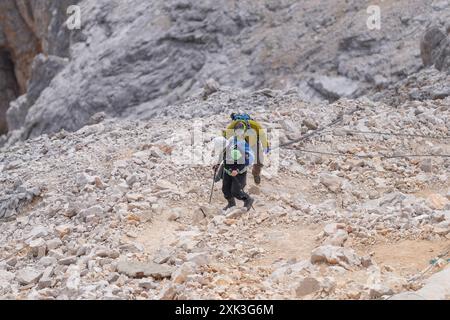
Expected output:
(212, 187)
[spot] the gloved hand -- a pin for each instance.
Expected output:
(267, 150)
(215, 167)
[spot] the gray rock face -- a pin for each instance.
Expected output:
(333, 88)
(8, 87)
(44, 69)
(12, 202)
(135, 59)
(435, 49)
(28, 28)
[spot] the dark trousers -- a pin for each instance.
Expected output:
(232, 187)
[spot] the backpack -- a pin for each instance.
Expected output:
(241, 117)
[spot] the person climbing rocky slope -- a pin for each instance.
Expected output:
(131, 57)
(118, 209)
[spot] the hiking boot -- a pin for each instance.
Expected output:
(257, 179)
(231, 204)
(248, 203)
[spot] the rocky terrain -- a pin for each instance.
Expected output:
(131, 57)
(119, 209)
(105, 161)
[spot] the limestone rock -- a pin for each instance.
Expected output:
(135, 269)
(28, 276)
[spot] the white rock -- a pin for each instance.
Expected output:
(73, 281)
(180, 275)
(198, 259)
(46, 279)
(335, 255)
(38, 247)
(63, 230)
(53, 243)
(47, 261)
(5, 280)
(332, 182)
(28, 275)
(38, 232)
(84, 179)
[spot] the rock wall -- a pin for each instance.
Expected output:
(133, 59)
(8, 87)
(28, 28)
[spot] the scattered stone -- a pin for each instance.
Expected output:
(38, 247)
(135, 269)
(54, 243)
(28, 276)
(236, 213)
(198, 259)
(147, 284)
(333, 255)
(377, 291)
(63, 230)
(307, 286)
(180, 275)
(46, 279)
(437, 202)
(68, 260)
(332, 182)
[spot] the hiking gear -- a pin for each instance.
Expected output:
(236, 154)
(229, 172)
(254, 133)
(232, 187)
(231, 204)
(240, 125)
(241, 116)
(248, 203)
(256, 172)
(231, 157)
(212, 187)
(218, 176)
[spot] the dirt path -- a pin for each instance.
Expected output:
(279, 239)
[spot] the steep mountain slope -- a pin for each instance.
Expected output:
(118, 210)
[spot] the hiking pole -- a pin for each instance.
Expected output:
(212, 187)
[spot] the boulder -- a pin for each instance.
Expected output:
(437, 287)
(334, 255)
(307, 286)
(334, 88)
(28, 276)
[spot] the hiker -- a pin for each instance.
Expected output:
(236, 157)
(255, 136)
